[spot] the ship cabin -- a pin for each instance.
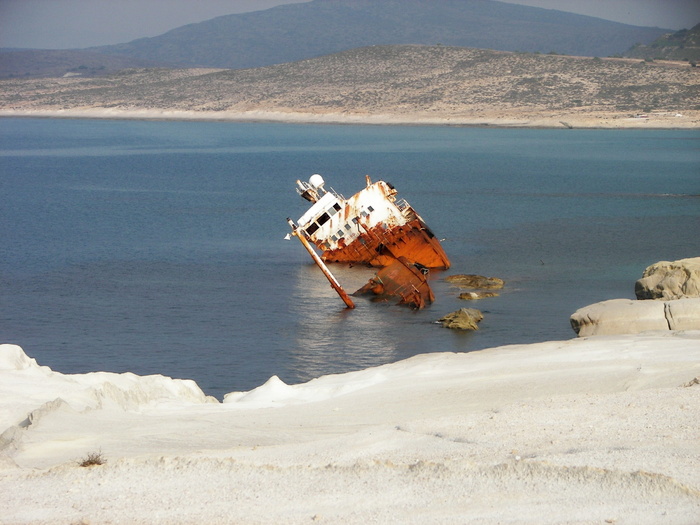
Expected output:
(334, 222)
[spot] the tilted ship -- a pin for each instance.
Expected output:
(372, 227)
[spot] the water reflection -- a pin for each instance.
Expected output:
(332, 339)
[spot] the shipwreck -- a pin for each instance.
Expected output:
(375, 228)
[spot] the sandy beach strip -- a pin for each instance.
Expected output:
(509, 119)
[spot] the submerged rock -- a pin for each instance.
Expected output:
(475, 281)
(462, 319)
(472, 296)
(670, 280)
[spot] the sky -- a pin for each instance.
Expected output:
(69, 24)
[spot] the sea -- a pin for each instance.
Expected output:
(158, 247)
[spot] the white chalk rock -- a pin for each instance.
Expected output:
(619, 316)
(670, 280)
(626, 316)
(683, 314)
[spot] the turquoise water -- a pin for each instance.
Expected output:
(157, 247)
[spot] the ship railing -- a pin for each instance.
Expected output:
(338, 195)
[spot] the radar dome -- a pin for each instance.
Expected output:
(316, 181)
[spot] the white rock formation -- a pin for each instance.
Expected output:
(670, 280)
(675, 284)
(619, 316)
(627, 316)
(683, 314)
(597, 430)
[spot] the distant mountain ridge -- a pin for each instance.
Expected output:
(681, 45)
(293, 32)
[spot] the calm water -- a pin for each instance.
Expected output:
(157, 247)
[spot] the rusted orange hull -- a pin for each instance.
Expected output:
(380, 246)
(403, 280)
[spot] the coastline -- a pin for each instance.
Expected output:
(597, 120)
(589, 430)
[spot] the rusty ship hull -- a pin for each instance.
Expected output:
(380, 246)
(401, 280)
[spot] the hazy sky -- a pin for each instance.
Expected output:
(64, 24)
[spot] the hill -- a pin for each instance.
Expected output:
(57, 63)
(681, 45)
(415, 83)
(296, 31)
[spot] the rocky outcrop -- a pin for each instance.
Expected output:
(475, 281)
(619, 316)
(670, 280)
(627, 316)
(462, 319)
(675, 284)
(683, 314)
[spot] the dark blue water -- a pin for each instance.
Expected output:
(157, 247)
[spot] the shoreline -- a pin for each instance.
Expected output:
(525, 121)
(588, 430)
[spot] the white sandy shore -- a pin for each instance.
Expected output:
(597, 430)
(511, 119)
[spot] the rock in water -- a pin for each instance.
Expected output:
(473, 296)
(475, 281)
(462, 319)
(670, 280)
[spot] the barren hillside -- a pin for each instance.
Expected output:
(393, 81)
